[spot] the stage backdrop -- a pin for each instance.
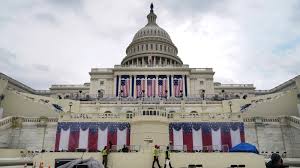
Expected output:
(206, 135)
(91, 135)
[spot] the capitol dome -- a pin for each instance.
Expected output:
(151, 46)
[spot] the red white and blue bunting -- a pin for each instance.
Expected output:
(197, 135)
(91, 135)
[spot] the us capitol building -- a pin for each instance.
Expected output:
(151, 98)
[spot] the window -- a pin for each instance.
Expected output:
(146, 46)
(101, 82)
(156, 46)
(107, 113)
(129, 114)
(151, 46)
(201, 82)
(160, 47)
(194, 113)
(171, 114)
(142, 47)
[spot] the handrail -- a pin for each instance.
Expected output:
(9, 120)
(5, 121)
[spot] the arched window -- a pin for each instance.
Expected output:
(107, 113)
(194, 113)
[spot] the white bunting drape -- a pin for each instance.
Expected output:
(235, 137)
(197, 139)
(102, 138)
(83, 139)
(121, 140)
(178, 139)
(216, 139)
(64, 139)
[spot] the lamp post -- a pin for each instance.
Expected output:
(98, 94)
(230, 104)
(181, 94)
(80, 91)
(223, 92)
(166, 93)
(120, 95)
(203, 94)
(143, 94)
(70, 105)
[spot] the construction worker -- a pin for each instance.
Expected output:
(104, 156)
(155, 156)
(167, 158)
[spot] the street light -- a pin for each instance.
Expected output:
(181, 94)
(70, 104)
(80, 91)
(143, 93)
(166, 93)
(223, 92)
(230, 104)
(203, 94)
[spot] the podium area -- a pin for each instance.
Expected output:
(145, 158)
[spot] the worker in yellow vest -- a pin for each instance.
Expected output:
(155, 156)
(104, 156)
(167, 158)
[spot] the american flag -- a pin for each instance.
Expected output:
(125, 87)
(178, 86)
(162, 87)
(140, 85)
(151, 87)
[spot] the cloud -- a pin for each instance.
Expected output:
(59, 41)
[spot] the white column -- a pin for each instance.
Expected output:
(146, 85)
(183, 85)
(114, 87)
(156, 86)
(119, 87)
(134, 91)
(168, 85)
(172, 81)
(130, 87)
(188, 85)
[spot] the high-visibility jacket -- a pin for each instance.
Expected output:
(104, 152)
(155, 152)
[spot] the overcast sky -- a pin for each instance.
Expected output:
(44, 42)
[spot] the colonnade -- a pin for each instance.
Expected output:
(122, 81)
